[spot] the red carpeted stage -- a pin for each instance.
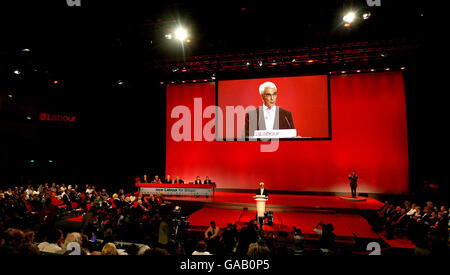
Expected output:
(301, 211)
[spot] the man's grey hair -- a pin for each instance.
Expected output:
(266, 85)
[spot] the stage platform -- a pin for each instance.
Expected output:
(285, 203)
(301, 211)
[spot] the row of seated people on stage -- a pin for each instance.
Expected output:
(426, 225)
(169, 180)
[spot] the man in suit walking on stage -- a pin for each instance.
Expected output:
(353, 183)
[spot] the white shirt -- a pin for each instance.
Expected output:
(261, 191)
(201, 253)
(269, 116)
(49, 247)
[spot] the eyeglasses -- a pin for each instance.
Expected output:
(270, 95)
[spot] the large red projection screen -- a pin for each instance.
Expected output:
(305, 96)
(368, 135)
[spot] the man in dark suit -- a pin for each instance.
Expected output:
(198, 180)
(178, 181)
(353, 183)
(168, 179)
(66, 199)
(207, 181)
(261, 190)
(269, 116)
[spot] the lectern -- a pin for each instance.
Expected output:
(260, 205)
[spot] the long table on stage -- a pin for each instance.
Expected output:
(177, 189)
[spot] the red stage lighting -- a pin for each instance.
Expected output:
(347, 25)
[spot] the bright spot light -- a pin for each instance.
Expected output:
(349, 17)
(347, 25)
(16, 71)
(366, 15)
(181, 34)
(168, 36)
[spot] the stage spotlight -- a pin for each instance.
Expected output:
(181, 34)
(247, 64)
(293, 60)
(347, 25)
(120, 82)
(10, 96)
(168, 36)
(358, 71)
(343, 72)
(366, 15)
(260, 63)
(188, 41)
(310, 61)
(372, 70)
(50, 161)
(26, 50)
(16, 71)
(28, 118)
(175, 69)
(349, 17)
(402, 68)
(55, 82)
(388, 69)
(31, 160)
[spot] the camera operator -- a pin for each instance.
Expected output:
(327, 238)
(297, 242)
(259, 248)
(212, 237)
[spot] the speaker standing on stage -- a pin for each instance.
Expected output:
(353, 183)
(261, 190)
